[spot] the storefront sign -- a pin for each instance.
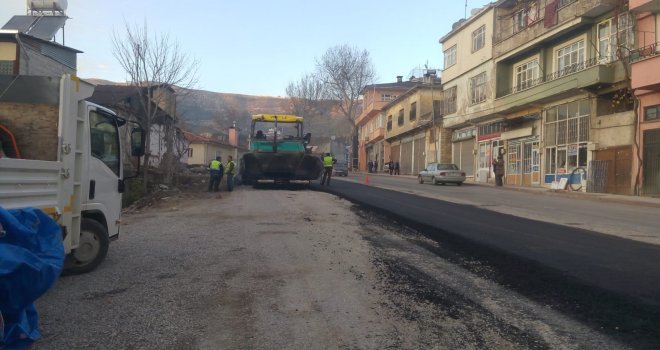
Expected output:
(517, 133)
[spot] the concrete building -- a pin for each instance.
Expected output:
(201, 150)
(469, 91)
(371, 122)
(410, 121)
(561, 90)
(645, 61)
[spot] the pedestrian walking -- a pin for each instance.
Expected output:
(498, 169)
(231, 169)
(375, 166)
(216, 169)
(390, 167)
(328, 161)
(370, 166)
(396, 168)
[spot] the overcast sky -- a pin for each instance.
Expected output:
(258, 47)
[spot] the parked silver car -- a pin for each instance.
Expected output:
(439, 173)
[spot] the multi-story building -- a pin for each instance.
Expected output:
(646, 84)
(469, 90)
(413, 130)
(371, 122)
(562, 89)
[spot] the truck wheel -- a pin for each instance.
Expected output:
(91, 251)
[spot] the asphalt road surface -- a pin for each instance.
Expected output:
(605, 280)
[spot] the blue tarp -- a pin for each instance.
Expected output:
(31, 259)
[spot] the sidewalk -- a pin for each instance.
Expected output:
(653, 202)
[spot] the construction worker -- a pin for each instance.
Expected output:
(231, 169)
(216, 170)
(328, 161)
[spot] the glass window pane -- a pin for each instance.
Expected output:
(582, 155)
(104, 140)
(551, 114)
(562, 112)
(573, 109)
(585, 107)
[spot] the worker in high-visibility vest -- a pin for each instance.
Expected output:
(216, 169)
(231, 169)
(328, 161)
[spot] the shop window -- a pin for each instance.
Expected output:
(652, 113)
(566, 136)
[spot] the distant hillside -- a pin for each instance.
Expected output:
(214, 112)
(204, 110)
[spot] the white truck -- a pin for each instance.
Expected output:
(63, 154)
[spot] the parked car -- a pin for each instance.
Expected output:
(441, 173)
(340, 169)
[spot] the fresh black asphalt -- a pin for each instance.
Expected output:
(615, 281)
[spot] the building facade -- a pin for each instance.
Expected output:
(645, 61)
(412, 121)
(468, 84)
(556, 98)
(371, 122)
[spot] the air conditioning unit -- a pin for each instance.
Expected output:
(482, 175)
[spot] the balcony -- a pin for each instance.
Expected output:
(572, 78)
(376, 135)
(510, 39)
(645, 62)
(644, 6)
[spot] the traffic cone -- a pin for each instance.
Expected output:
(366, 180)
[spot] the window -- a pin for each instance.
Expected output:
(526, 75)
(190, 152)
(450, 100)
(566, 136)
(389, 123)
(519, 21)
(6, 67)
(652, 113)
(104, 139)
(478, 88)
(450, 56)
(413, 111)
(569, 58)
(614, 35)
(399, 121)
(479, 38)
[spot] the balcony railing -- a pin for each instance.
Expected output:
(644, 52)
(574, 68)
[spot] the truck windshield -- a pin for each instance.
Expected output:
(104, 139)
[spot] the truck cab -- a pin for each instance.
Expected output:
(71, 162)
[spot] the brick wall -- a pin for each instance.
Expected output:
(35, 128)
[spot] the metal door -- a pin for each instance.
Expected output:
(652, 162)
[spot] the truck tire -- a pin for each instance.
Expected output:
(91, 251)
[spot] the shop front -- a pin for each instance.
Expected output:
(566, 137)
(490, 146)
(523, 150)
(463, 141)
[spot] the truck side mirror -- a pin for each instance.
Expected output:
(137, 142)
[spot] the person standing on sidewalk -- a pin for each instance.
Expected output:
(328, 161)
(231, 168)
(375, 166)
(396, 168)
(390, 166)
(498, 169)
(215, 170)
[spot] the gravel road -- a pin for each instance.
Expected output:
(286, 269)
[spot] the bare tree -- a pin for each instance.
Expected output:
(155, 63)
(345, 71)
(305, 94)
